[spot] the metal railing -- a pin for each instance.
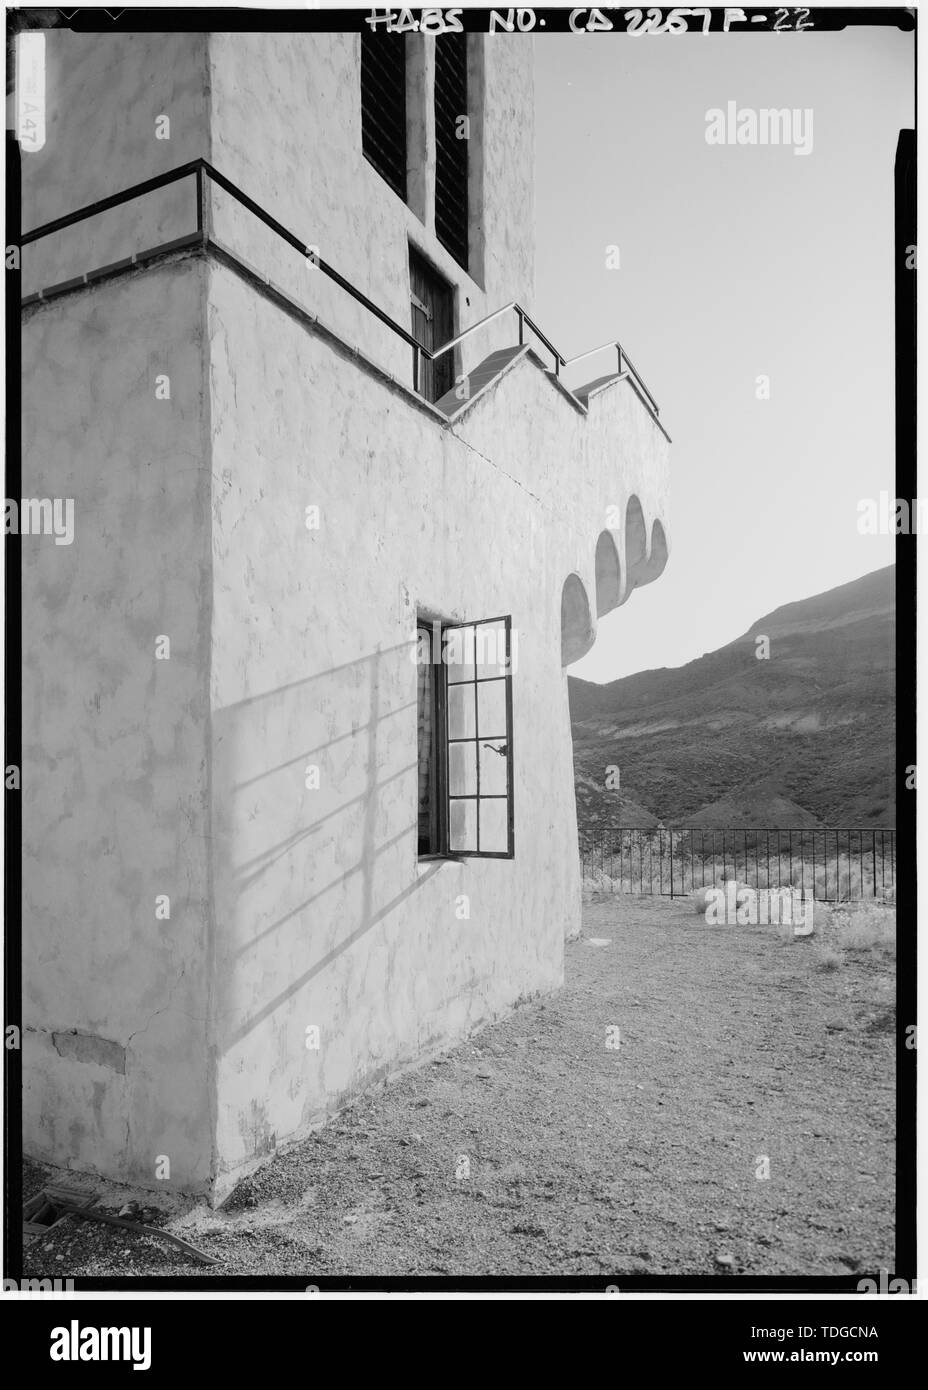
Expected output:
(201, 169)
(625, 363)
(834, 864)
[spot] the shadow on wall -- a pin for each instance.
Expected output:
(305, 843)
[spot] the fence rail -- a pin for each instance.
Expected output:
(833, 864)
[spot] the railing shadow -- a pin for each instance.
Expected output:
(304, 872)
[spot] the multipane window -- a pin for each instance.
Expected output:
(383, 106)
(452, 129)
(465, 740)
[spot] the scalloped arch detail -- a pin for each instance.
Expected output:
(578, 628)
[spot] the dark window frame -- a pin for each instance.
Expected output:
(438, 754)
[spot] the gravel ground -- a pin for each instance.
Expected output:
(538, 1149)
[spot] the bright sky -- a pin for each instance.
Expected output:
(735, 261)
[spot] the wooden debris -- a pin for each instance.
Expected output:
(156, 1231)
(42, 1213)
(54, 1204)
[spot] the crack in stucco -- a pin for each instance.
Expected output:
(162, 1010)
(474, 450)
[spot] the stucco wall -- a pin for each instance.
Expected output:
(104, 93)
(324, 915)
(115, 804)
(290, 647)
(308, 170)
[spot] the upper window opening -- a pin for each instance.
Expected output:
(383, 106)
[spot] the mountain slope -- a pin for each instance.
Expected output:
(805, 737)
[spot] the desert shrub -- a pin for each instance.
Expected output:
(865, 926)
(595, 882)
(822, 915)
(699, 901)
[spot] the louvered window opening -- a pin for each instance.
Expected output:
(383, 106)
(451, 210)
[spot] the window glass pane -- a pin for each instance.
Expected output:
(476, 755)
(462, 830)
(458, 654)
(461, 712)
(494, 826)
(491, 699)
(462, 769)
(490, 649)
(493, 768)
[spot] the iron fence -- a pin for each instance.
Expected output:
(833, 864)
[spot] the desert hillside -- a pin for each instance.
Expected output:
(804, 738)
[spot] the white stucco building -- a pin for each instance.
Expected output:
(276, 859)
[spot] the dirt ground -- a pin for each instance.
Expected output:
(550, 1145)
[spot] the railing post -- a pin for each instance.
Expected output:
(671, 862)
(619, 350)
(202, 206)
(521, 319)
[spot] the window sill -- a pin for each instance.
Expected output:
(461, 857)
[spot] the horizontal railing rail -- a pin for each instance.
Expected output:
(624, 362)
(435, 353)
(833, 863)
(201, 169)
(126, 195)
